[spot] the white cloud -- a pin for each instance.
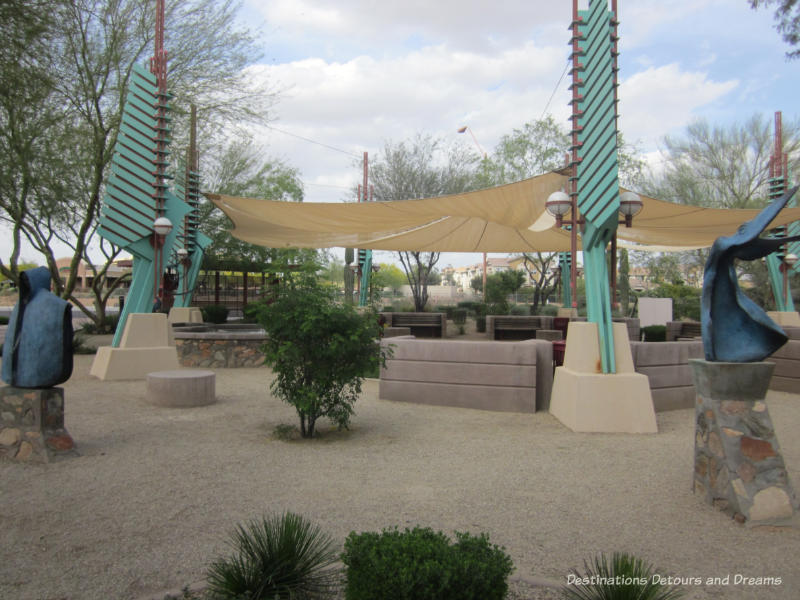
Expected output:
(659, 100)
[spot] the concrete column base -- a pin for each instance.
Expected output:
(179, 314)
(738, 465)
(785, 318)
(147, 345)
(587, 400)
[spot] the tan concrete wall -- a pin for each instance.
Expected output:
(786, 377)
(666, 365)
(502, 376)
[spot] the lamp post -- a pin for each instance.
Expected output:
(464, 129)
(161, 228)
(183, 259)
(559, 204)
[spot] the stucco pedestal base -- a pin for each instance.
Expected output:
(586, 400)
(785, 318)
(738, 466)
(179, 314)
(147, 345)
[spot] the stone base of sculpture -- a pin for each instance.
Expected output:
(789, 318)
(179, 314)
(32, 425)
(147, 345)
(587, 400)
(738, 466)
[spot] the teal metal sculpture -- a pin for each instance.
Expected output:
(136, 194)
(777, 267)
(194, 242)
(734, 328)
(595, 179)
(37, 352)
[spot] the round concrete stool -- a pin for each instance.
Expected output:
(181, 389)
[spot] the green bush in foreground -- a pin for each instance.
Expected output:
(277, 558)
(623, 577)
(421, 564)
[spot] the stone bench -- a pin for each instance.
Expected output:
(666, 365)
(677, 330)
(515, 327)
(184, 388)
(500, 376)
(421, 324)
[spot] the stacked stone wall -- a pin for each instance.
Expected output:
(32, 425)
(220, 353)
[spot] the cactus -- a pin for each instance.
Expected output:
(349, 282)
(349, 275)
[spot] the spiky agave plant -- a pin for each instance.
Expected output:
(624, 577)
(279, 557)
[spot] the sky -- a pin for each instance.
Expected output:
(354, 74)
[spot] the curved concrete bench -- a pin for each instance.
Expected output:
(181, 389)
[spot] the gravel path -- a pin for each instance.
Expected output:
(156, 491)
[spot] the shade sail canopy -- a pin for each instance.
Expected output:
(508, 218)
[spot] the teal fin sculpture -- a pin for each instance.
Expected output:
(734, 328)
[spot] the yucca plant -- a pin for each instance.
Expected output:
(624, 577)
(282, 557)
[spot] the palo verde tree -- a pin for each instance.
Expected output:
(423, 167)
(787, 19)
(241, 169)
(717, 167)
(319, 350)
(85, 67)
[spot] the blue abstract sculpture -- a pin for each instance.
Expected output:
(38, 348)
(734, 328)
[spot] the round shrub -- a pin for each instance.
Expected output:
(655, 333)
(215, 313)
(421, 564)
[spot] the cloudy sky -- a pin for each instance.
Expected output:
(355, 73)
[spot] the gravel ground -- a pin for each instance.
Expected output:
(156, 491)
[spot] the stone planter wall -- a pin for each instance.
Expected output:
(215, 349)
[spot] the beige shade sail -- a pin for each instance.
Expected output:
(506, 219)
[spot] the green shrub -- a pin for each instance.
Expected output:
(277, 558)
(522, 310)
(3, 320)
(319, 351)
(421, 564)
(468, 304)
(459, 316)
(624, 577)
(655, 333)
(480, 309)
(547, 310)
(388, 308)
(215, 313)
(480, 324)
(108, 325)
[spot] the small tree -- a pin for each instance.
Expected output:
(319, 350)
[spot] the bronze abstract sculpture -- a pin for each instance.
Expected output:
(734, 328)
(38, 348)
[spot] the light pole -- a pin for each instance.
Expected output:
(161, 228)
(463, 129)
(559, 204)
